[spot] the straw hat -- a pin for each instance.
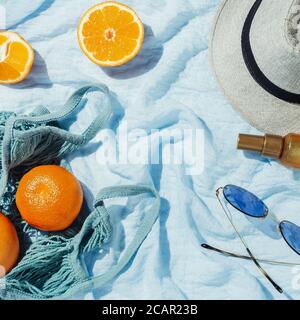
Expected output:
(255, 53)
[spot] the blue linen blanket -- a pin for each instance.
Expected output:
(168, 86)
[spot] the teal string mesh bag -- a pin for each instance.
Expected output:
(51, 265)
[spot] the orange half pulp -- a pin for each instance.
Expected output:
(16, 58)
(110, 34)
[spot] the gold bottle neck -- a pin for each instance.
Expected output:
(268, 145)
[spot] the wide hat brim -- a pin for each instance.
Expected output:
(257, 106)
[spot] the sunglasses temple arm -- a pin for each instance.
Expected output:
(226, 253)
(274, 284)
(239, 256)
(250, 257)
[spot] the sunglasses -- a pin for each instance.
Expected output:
(250, 205)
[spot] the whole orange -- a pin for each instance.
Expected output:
(49, 198)
(9, 245)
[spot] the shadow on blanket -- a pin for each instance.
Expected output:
(146, 60)
(38, 77)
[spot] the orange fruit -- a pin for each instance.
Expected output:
(16, 57)
(9, 245)
(49, 198)
(110, 34)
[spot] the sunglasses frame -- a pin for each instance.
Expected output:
(266, 213)
(247, 214)
(250, 255)
(283, 236)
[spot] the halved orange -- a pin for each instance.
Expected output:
(110, 34)
(16, 57)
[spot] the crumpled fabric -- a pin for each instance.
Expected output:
(169, 85)
(51, 265)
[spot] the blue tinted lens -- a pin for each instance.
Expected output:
(291, 234)
(245, 201)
